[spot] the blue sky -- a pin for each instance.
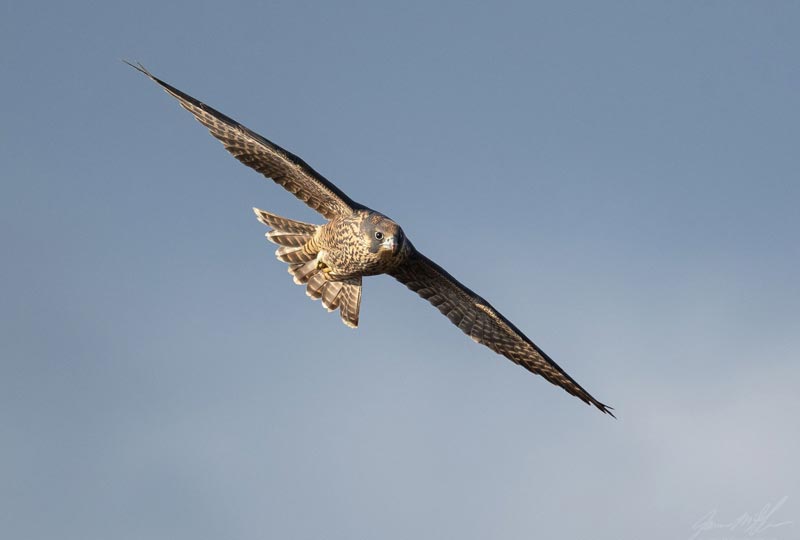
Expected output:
(620, 180)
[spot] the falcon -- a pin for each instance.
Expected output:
(331, 260)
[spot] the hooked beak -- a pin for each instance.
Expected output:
(391, 244)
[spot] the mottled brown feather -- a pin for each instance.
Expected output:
(485, 325)
(288, 239)
(330, 294)
(303, 271)
(316, 283)
(350, 301)
(264, 156)
(284, 225)
(295, 254)
(346, 257)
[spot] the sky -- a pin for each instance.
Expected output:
(619, 179)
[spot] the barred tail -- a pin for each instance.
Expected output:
(298, 250)
(294, 239)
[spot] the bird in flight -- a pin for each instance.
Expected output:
(331, 259)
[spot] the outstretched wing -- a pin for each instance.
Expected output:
(481, 322)
(264, 156)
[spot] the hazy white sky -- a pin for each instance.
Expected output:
(621, 180)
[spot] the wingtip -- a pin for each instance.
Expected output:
(605, 409)
(139, 67)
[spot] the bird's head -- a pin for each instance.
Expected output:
(384, 236)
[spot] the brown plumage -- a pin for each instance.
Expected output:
(331, 259)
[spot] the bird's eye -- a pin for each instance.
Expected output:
(379, 235)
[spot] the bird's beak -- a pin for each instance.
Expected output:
(391, 244)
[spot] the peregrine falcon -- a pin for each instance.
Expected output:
(331, 259)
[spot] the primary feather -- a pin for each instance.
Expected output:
(331, 259)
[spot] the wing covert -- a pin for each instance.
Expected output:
(481, 322)
(264, 156)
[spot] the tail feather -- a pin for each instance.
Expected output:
(292, 237)
(350, 301)
(285, 225)
(303, 272)
(315, 285)
(293, 255)
(330, 295)
(296, 249)
(286, 238)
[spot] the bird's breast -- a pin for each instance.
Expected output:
(349, 252)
